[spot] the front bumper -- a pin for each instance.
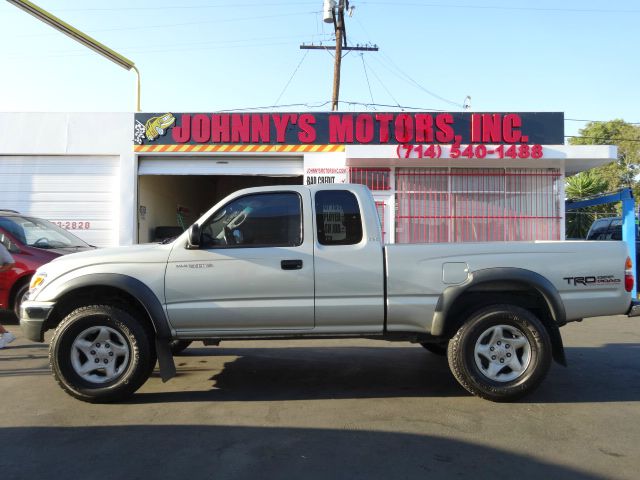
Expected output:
(634, 309)
(32, 318)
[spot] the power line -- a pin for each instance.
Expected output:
(327, 102)
(184, 24)
(605, 139)
(291, 78)
(224, 4)
(364, 67)
(383, 86)
(147, 52)
(404, 76)
(596, 121)
(174, 47)
(502, 7)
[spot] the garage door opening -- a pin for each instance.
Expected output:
(169, 203)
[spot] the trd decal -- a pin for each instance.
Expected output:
(592, 280)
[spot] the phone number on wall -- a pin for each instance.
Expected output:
(470, 151)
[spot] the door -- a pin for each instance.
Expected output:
(77, 193)
(348, 264)
(253, 270)
(384, 204)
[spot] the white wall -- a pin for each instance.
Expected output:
(69, 134)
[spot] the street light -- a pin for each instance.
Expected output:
(81, 37)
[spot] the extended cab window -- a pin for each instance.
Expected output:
(338, 219)
(260, 220)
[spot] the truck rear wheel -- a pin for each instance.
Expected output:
(501, 353)
(101, 354)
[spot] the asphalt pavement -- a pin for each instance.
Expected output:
(320, 409)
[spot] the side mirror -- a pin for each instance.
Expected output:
(8, 244)
(193, 238)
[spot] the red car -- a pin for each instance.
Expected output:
(32, 242)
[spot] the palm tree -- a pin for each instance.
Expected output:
(579, 187)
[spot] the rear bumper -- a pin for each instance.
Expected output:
(634, 309)
(32, 318)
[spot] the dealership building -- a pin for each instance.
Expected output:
(123, 178)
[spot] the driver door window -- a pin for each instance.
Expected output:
(259, 220)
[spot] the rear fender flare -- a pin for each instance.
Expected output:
(516, 276)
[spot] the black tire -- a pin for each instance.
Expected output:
(436, 348)
(124, 332)
(179, 346)
(473, 362)
(18, 299)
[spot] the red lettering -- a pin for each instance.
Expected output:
(445, 131)
(240, 127)
(260, 128)
(307, 131)
(403, 128)
(364, 128)
(491, 128)
(476, 128)
(424, 128)
(220, 128)
(385, 120)
(341, 128)
(511, 128)
(182, 133)
(201, 128)
(281, 123)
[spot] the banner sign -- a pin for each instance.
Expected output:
(359, 128)
(325, 169)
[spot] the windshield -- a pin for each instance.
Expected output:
(38, 233)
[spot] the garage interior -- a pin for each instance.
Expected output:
(166, 201)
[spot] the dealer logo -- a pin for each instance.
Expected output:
(153, 128)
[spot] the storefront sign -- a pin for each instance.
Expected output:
(366, 128)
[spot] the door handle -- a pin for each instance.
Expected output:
(291, 264)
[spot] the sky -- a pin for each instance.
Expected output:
(579, 57)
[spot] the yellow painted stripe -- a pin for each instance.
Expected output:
(239, 148)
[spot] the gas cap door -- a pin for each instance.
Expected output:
(454, 272)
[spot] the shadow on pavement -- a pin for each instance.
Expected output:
(7, 317)
(606, 374)
(610, 373)
(195, 452)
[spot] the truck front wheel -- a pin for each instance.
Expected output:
(101, 354)
(501, 353)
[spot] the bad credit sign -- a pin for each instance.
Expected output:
(365, 128)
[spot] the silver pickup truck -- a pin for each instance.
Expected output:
(309, 262)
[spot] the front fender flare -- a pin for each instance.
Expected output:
(143, 294)
(130, 285)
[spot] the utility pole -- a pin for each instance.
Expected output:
(335, 14)
(337, 63)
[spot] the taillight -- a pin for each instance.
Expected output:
(628, 275)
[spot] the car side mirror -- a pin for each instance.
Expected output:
(8, 244)
(193, 237)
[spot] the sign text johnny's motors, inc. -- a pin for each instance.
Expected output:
(366, 128)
